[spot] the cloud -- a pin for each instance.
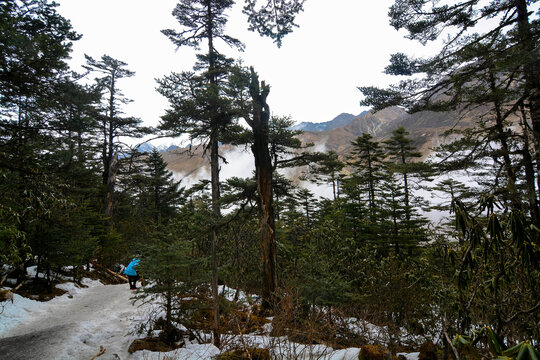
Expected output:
(193, 178)
(240, 163)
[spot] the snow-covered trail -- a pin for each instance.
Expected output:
(75, 325)
(74, 328)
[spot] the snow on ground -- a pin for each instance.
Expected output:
(81, 320)
(282, 348)
(410, 356)
(76, 324)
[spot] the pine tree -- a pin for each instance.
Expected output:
(354, 206)
(112, 124)
(274, 19)
(400, 153)
(173, 267)
(160, 193)
(272, 141)
(328, 170)
(35, 165)
(202, 21)
(393, 212)
(400, 150)
(259, 123)
(488, 68)
(367, 161)
(167, 258)
(306, 202)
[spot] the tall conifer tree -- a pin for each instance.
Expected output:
(203, 21)
(112, 124)
(492, 63)
(401, 151)
(366, 158)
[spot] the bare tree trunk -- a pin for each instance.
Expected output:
(214, 166)
(111, 181)
(263, 169)
(110, 157)
(214, 170)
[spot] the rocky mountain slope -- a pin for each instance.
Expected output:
(425, 128)
(339, 121)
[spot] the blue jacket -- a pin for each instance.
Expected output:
(130, 271)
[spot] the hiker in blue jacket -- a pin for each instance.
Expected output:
(132, 274)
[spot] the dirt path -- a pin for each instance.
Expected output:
(75, 328)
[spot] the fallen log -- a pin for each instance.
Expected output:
(6, 294)
(117, 275)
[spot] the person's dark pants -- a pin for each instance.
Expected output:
(132, 279)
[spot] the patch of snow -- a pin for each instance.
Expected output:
(410, 356)
(32, 270)
(345, 354)
(11, 281)
(267, 328)
(91, 282)
(189, 352)
(283, 348)
(13, 314)
(70, 287)
(229, 294)
(290, 350)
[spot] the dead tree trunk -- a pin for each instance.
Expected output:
(263, 170)
(111, 181)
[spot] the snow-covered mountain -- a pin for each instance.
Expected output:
(148, 147)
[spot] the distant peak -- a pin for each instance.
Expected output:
(339, 121)
(148, 147)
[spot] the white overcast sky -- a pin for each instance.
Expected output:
(339, 45)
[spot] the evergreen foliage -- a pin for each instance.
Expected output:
(199, 106)
(367, 253)
(328, 170)
(274, 19)
(366, 159)
(487, 69)
(111, 124)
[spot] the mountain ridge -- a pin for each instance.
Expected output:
(425, 129)
(341, 120)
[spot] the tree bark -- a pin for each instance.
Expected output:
(110, 158)
(111, 181)
(214, 174)
(531, 74)
(263, 170)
